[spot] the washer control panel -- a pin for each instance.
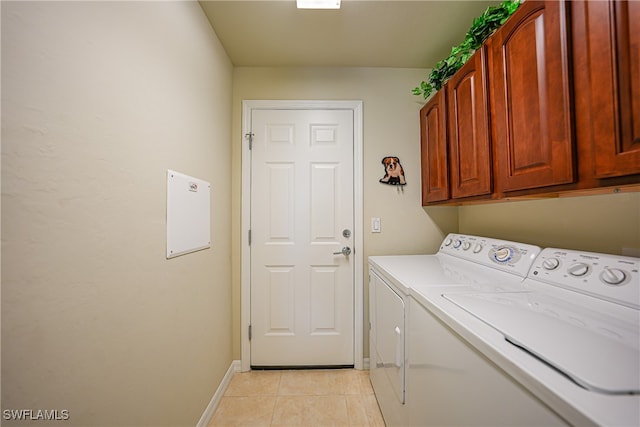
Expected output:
(504, 255)
(610, 277)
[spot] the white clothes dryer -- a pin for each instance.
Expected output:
(572, 338)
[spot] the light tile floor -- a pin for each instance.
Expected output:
(294, 398)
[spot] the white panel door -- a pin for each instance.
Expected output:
(302, 293)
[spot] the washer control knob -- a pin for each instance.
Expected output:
(613, 276)
(551, 263)
(466, 246)
(447, 242)
(578, 269)
(503, 254)
(457, 243)
(477, 248)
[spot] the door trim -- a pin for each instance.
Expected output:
(245, 283)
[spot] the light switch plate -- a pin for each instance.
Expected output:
(375, 225)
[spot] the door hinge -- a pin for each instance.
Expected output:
(249, 237)
(249, 136)
(249, 332)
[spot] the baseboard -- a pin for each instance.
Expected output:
(217, 396)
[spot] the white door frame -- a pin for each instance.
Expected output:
(245, 286)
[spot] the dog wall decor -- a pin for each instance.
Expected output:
(393, 171)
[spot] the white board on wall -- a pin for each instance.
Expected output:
(188, 214)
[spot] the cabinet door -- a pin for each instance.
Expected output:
(530, 98)
(610, 33)
(433, 145)
(467, 121)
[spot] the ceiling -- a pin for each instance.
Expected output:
(362, 33)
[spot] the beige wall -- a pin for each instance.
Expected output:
(604, 223)
(99, 99)
(391, 127)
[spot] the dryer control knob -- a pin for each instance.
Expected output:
(613, 276)
(477, 248)
(447, 242)
(578, 269)
(551, 263)
(466, 246)
(457, 244)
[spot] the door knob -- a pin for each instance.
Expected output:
(346, 251)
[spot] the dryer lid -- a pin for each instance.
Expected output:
(597, 351)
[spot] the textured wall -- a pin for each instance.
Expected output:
(99, 99)
(604, 223)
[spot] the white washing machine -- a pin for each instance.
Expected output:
(464, 263)
(572, 340)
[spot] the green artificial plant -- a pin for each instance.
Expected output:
(483, 26)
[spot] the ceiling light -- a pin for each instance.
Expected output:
(318, 4)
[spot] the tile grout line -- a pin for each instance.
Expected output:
(275, 401)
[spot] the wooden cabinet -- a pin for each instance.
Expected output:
(433, 145)
(562, 82)
(606, 53)
(530, 98)
(455, 144)
(468, 125)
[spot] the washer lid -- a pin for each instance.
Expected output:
(597, 351)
